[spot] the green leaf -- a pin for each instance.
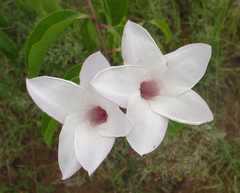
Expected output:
(43, 36)
(52, 125)
(76, 80)
(174, 127)
(89, 35)
(50, 6)
(117, 31)
(102, 18)
(3, 21)
(164, 27)
(49, 124)
(45, 122)
(107, 12)
(73, 73)
(36, 5)
(92, 32)
(96, 5)
(44, 6)
(7, 46)
(115, 9)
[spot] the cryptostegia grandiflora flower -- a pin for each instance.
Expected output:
(90, 122)
(155, 88)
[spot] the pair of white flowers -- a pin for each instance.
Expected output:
(152, 87)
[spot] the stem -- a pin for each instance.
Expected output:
(98, 30)
(113, 51)
(3, 28)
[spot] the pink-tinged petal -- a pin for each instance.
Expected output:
(138, 48)
(91, 148)
(186, 66)
(91, 66)
(118, 83)
(57, 97)
(187, 108)
(150, 127)
(117, 125)
(67, 157)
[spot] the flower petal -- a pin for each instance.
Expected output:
(117, 125)
(187, 108)
(138, 47)
(57, 97)
(186, 66)
(118, 83)
(150, 127)
(67, 157)
(104, 103)
(91, 148)
(91, 66)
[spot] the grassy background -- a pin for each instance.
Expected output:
(200, 159)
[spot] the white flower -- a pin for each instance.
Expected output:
(90, 122)
(155, 88)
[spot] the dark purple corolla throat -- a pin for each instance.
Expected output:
(98, 116)
(149, 89)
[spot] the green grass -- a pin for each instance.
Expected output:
(206, 156)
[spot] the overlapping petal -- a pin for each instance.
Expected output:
(91, 148)
(104, 103)
(67, 157)
(59, 98)
(150, 127)
(186, 66)
(119, 83)
(138, 48)
(117, 125)
(91, 66)
(187, 108)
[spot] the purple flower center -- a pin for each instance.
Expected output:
(149, 89)
(98, 116)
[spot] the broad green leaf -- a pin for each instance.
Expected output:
(50, 131)
(7, 46)
(107, 12)
(164, 27)
(92, 32)
(3, 21)
(43, 36)
(76, 29)
(89, 35)
(115, 9)
(36, 5)
(44, 6)
(49, 124)
(174, 127)
(73, 73)
(50, 6)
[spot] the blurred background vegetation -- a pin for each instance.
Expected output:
(202, 158)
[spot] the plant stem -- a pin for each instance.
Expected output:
(98, 31)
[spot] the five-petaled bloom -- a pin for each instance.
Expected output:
(155, 88)
(90, 122)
